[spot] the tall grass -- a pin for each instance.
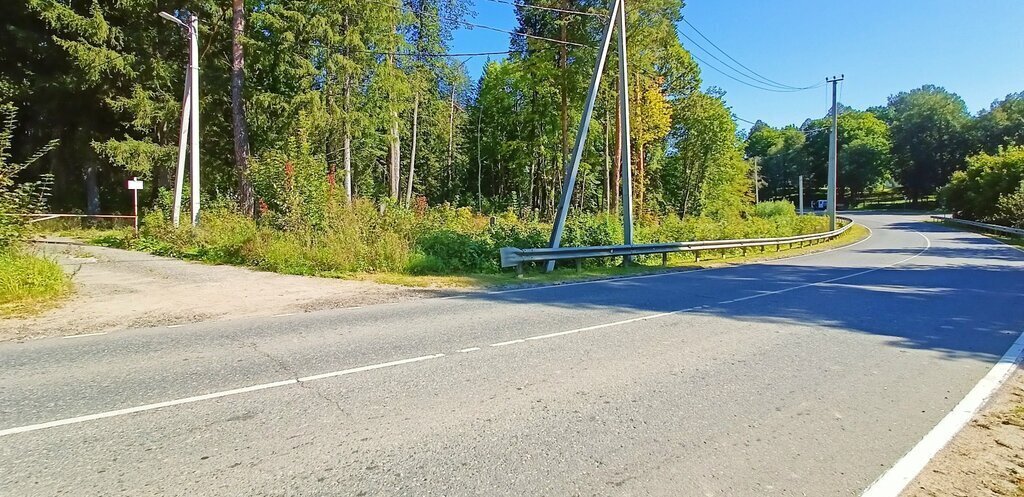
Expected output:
(28, 282)
(364, 238)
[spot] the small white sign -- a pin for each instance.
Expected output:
(135, 184)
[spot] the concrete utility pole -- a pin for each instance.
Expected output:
(581, 134)
(800, 188)
(757, 188)
(189, 120)
(627, 156)
(833, 150)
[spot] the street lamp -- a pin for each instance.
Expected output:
(189, 118)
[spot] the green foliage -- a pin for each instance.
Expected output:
(1011, 208)
(985, 190)
(929, 128)
(27, 282)
(439, 240)
(774, 209)
(17, 198)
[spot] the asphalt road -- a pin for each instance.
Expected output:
(805, 376)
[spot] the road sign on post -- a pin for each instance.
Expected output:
(135, 184)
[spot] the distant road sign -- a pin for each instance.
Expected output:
(135, 184)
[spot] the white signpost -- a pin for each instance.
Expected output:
(135, 184)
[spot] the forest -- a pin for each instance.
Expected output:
(355, 121)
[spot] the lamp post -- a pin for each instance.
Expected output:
(189, 119)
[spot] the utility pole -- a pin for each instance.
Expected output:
(189, 119)
(833, 148)
(581, 135)
(627, 159)
(757, 188)
(800, 188)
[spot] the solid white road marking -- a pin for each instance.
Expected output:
(86, 335)
(283, 315)
(893, 481)
(209, 396)
(471, 349)
(176, 326)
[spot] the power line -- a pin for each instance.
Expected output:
(756, 76)
(551, 9)
(730, 76)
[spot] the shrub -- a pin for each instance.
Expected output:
(975, 192)
(774, 208)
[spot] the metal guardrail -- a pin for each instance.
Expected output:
(985, 226)
(517, 257)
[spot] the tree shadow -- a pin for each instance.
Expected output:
(965, 310)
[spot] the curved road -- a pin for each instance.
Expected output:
(804, 376)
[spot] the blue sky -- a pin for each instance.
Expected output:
(973, 48)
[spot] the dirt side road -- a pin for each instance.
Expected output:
(119, 289)
(986, 459)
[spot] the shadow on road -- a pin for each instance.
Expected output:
(970, 303)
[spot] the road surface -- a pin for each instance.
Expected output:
(805, 376)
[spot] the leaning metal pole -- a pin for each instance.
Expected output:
(581, 135)
(626, 155)
(179, 178)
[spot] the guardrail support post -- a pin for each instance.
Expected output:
(664, 259)
(696, 256)
(579, 265)
(519, 270)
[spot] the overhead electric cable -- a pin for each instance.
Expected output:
(756, 76)
(730, 76)
(552, 9)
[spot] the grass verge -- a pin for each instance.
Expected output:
(29, 284)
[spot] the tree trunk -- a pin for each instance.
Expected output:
(92, 188)
(641, 183)
(412, 152)
(479, 163)
(617, 164)
(563, 64)
(246, 202)
(347, 144)
(394, 166)
(451, 143)
(607, 164)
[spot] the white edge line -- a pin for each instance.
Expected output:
(209, 396)
(176, 326)
(86, 335)
(893, 481)
(283, 315)
(471, 349)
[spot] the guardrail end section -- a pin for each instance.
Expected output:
(509, 256)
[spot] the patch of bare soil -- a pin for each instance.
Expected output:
(986, 459)
(119, 289)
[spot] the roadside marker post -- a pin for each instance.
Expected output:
(135, 184)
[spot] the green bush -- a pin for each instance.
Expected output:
(975, 193)
(776, 208)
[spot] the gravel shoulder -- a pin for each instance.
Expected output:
(118, 289)
(986, 459)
